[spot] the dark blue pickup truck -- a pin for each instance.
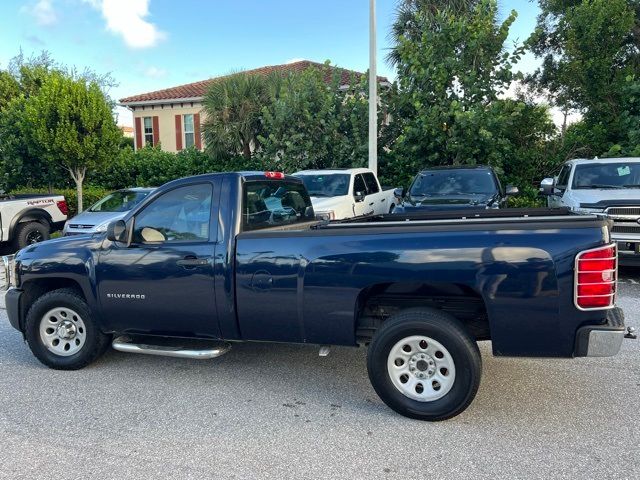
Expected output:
(210, 260)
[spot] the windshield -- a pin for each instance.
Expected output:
(326, 185)
(453, 182)
(607, 175)
(121, 201)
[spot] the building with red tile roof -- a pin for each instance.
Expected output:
(171, 117)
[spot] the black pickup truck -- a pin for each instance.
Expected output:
(210, 260)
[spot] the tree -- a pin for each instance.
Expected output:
(590, 48)
(314, 124)
(21, 81)
(413, 15)
(450, 80)
(69, 122)
(233, 107)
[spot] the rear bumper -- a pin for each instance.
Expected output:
(601, 340)
(12, 302)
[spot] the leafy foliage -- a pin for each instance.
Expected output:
(233, 107)
(311, 124)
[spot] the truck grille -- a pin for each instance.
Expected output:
(625, 228)
(80, 226)
(627, 212)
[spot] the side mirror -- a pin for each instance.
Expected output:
(359, 196)
(511, 190)
(117, 232)
(546, 186)
(399, 193)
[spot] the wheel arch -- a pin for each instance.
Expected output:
(35, 288)
(29, 215)
(378, 302)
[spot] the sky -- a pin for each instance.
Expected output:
(147, 45)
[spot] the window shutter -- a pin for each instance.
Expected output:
(138, 127)
(196, 130)
(178, 132)
(156, 131)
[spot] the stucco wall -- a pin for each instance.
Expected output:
(166, 120)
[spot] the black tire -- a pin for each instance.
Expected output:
(391, 209)
(451, 334)
(95, 343)
(28, 233)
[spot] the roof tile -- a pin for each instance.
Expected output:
(199, 89)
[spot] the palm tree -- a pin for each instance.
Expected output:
(233, 108)
(407, 24)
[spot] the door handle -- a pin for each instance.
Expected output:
(190, 262)
(371, 203)
(383, 200)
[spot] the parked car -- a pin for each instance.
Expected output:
(457, 187)
(198, 259)
(30, 218)
(609, 187)
(98, 216)
(339, 194)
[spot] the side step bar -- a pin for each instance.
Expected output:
(124, 344)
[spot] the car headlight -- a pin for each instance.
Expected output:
(102, 227)
(10, 272)
(586, 211)
(326, 216)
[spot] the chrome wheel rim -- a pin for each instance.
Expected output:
(62, 331)
(421, 368)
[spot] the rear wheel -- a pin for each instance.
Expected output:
(424, 364)
(28, 233)
(62, 333)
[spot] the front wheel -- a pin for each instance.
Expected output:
(29, 233)
(424, 364)
(61, 331)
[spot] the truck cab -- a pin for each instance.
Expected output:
(608, 187)
(346, 193)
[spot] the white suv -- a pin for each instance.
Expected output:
(610, 186)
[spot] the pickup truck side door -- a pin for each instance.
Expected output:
(375, 194)
(361, 205)
(164, 281)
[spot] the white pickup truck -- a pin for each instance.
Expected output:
(346, 193)
(30, 218)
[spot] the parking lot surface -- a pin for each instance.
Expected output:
(280, 411)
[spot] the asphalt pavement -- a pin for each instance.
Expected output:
(278, 411)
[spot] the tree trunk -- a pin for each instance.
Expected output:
(78, 176)
(246, 150)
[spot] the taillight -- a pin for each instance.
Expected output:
(62, 206)
(596, 277)
(274, 175)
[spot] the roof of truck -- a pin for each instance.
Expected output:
(457, 167)
(581, 161)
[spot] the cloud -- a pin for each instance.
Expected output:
(155, 72)
(42, 11)
(294, 60)
(126, 18)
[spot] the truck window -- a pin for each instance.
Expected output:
(359, 185)
(269, 204)
(372, 184)
(563, 176)
(180, 215)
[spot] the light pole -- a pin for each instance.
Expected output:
(373, 90)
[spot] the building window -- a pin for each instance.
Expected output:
(189, 132)
(148, 131)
